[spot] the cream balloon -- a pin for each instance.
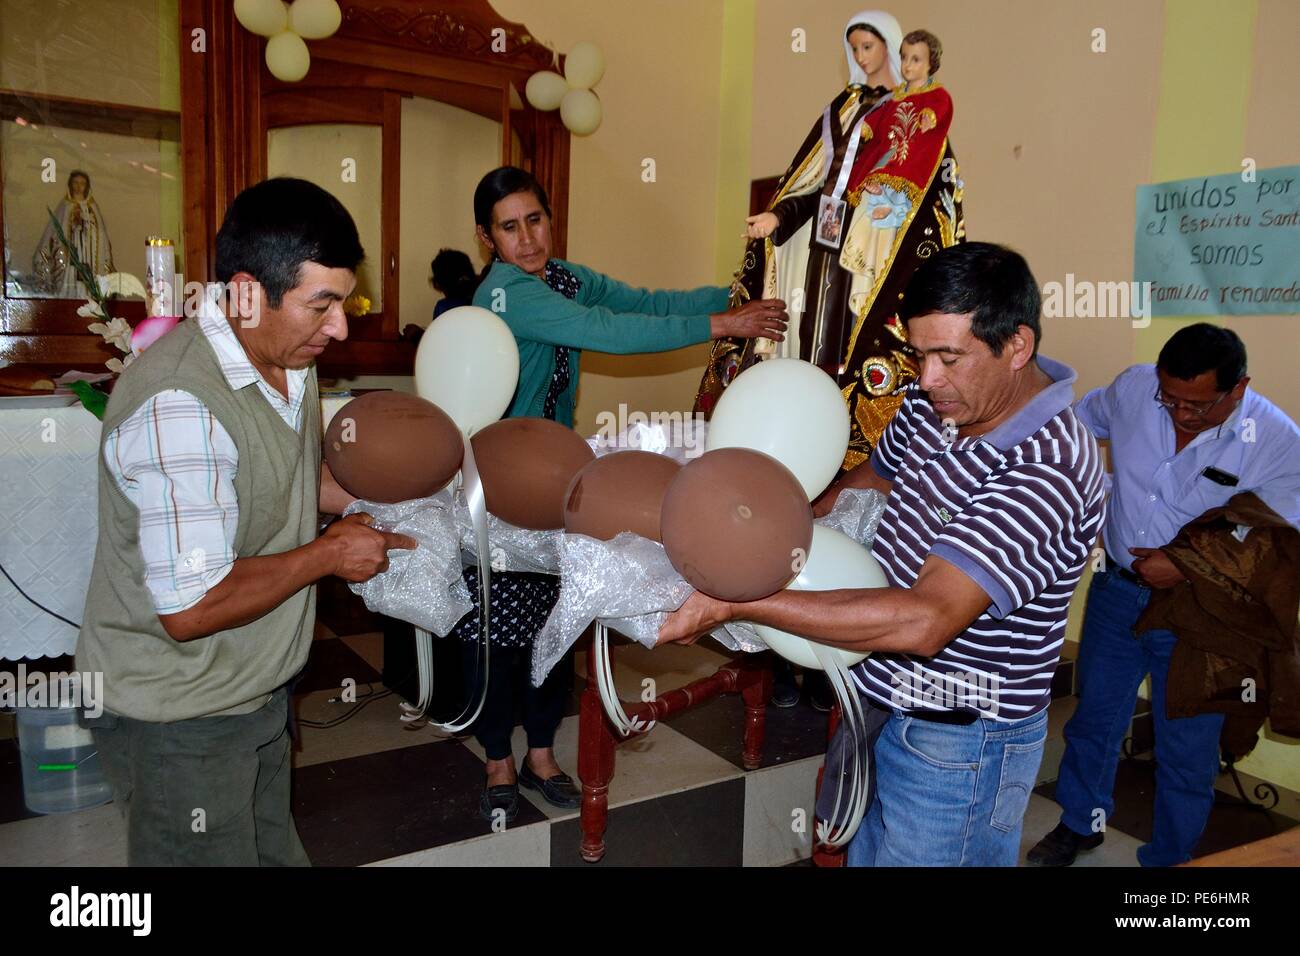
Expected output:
(545, 90)
(315, 19)
(287, 57)
(580, 111)
(266, 18)
(791, 410)
(835, 562)
(584, 66)
(468, 365)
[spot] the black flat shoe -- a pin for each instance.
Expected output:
(503, 796)
(558, 790)
(1062, 846)
(785, 692)
(819, 690)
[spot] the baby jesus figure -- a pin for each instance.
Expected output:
(904, 144)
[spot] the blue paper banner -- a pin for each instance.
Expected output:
(1221, 245)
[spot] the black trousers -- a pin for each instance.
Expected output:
(511, 696)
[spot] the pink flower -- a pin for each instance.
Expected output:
(150, 330)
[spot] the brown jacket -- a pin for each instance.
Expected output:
(1235, 618)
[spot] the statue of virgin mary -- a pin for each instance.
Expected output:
(83, 224)
(842, 309)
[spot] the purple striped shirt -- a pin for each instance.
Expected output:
(1019, 510)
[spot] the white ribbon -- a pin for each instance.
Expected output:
(856, 765)
(625, 725)
(828, 149)
(855, 140)
(476, 501)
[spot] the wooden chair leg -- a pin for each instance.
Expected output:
(823, 855)
(756, 690)
(595, 764)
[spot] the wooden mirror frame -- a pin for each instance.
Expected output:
(446, 50)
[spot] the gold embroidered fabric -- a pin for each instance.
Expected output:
(901, 92)
(877, 364)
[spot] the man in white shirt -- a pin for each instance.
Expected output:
(201, 604)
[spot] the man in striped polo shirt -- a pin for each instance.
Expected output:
(995, 502)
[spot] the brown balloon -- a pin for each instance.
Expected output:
(621, 491)
(736, 523)
(390, 447)
(526, 465)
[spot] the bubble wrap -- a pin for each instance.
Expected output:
(423, 586)
(512, 548)
(629, 584)
(857, 513)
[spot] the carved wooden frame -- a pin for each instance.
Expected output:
(442, 49)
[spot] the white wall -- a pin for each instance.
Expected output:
(445, 152)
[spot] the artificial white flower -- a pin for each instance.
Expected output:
(91, 310)
(120, 284)
(117, 332)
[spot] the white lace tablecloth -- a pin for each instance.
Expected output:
(49, 520)
(49, 509)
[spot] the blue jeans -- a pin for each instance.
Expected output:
(1112, 663)
(950, 795)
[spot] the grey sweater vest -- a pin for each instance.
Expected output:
(148, 675)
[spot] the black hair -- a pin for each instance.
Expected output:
(272, 228)
(83, 174)
(869, 28)
(990, 282)
(497, 185)
(453, 274)
(1198, 348)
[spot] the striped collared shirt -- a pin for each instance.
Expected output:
(1018, 510)
(176, 463)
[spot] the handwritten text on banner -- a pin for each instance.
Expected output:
(1221, 245)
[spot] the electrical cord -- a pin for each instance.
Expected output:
(36, 602)
(368, 698)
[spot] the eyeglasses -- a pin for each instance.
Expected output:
(1196, 408)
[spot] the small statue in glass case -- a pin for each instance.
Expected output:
(83, 224)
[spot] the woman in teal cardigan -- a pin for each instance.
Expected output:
(555, 310)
